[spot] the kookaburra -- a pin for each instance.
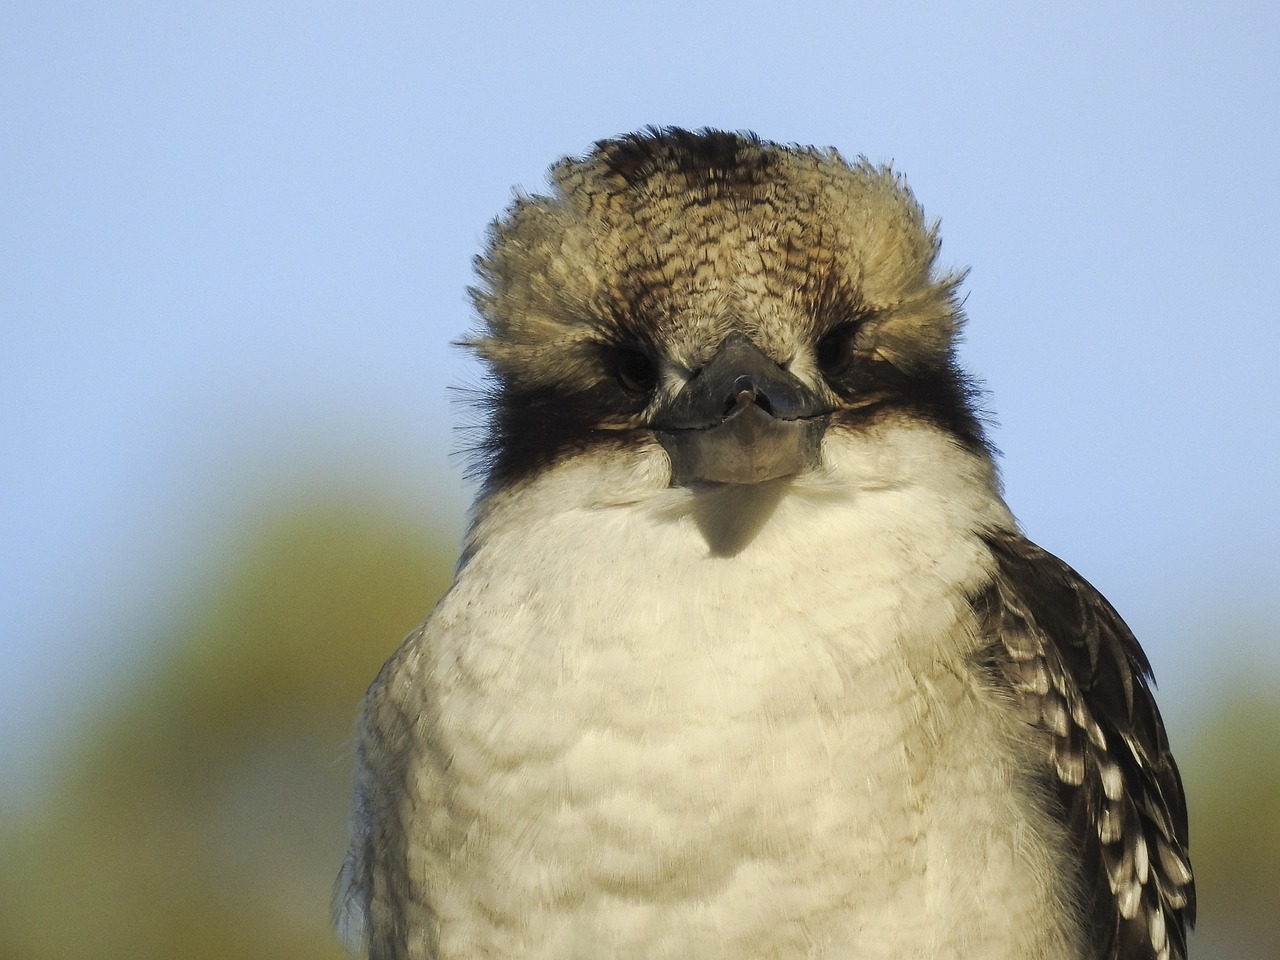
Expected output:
(746, 656)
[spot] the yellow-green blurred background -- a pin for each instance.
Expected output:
(234, 242)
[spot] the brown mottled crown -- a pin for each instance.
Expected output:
(674, 238)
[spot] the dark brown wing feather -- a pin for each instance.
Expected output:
(1077, 670)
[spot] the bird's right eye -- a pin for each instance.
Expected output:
(834, 352)
(635, 372)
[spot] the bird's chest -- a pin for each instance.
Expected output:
(662, 752)
(679, 711)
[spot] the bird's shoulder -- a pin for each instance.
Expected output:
(1079, 676)
(375, 863)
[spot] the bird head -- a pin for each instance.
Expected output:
(731, 299)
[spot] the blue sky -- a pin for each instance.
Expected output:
(234, 242)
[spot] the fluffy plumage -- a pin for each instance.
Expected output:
(745, 656)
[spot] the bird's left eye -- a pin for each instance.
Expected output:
(834, 352)
(636, 372)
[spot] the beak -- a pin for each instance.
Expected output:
(742, 418)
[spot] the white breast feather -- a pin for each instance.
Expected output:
(779, 751)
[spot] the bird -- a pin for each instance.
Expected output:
(745, 655)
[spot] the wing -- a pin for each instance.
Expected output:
(355, 882)
(1078, 672)
(374, 892)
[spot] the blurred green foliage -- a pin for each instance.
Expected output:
(204, 815)
(1232, 775)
